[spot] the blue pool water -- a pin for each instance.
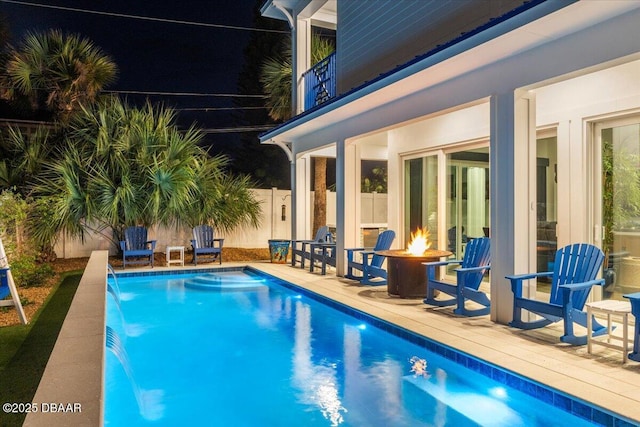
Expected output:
(236, 348)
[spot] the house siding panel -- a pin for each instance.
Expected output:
(376, 36)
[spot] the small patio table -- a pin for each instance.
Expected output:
(180, 250)
(620, 309)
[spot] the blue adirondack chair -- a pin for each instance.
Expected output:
(370, 264)
(324, 253)
(302, 248)
(4, 282)
(474, 265)
(575, 270)
(635, 310)
(136, 249)
(205, 243)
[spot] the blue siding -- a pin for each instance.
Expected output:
(375, 36)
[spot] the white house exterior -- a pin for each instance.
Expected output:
(498, 125)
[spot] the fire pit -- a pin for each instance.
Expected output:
(406, 276)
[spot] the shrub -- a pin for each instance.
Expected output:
(21, 251)
(28, 273)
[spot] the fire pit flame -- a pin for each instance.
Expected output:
(419, 242)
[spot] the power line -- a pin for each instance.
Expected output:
(256, 128)
(140, 92)
(160, 93)
(208, 109)
(143, 18)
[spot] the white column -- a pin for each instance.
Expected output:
(512, 127)
(301, 61)
(347, 201)
(294, 198)
(302, 200)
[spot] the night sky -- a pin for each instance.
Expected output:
(158, 56)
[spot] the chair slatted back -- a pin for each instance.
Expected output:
(323, 235)
(385, 239)
(203, 235)
(135, 238)
(576, 263)
(476, 253)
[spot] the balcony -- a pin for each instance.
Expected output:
(320, 82)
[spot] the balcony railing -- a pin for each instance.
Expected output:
(320, 82)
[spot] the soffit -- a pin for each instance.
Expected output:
(450, 63)
(320, 10)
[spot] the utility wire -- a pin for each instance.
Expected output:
(208, 109)
(143, 18)
(159, 93)
(140, 92)
(256, 128)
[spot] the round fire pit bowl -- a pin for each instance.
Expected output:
(406, 276)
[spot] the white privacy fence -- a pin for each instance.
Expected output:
(275, 224)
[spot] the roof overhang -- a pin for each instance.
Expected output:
(534, 27)
(323, 12)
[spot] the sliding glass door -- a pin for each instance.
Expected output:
(617, 216)
(546, 203)
(448, 192)
(421, 196)
(467, 198)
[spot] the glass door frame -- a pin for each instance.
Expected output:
(459, 166)
(441, 153)
(594, 132)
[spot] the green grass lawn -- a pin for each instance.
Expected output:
(25, 349)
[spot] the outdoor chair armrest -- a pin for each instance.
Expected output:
(473, 269)
(633, 297)
(323, 245)
(585, 285)
(439, 263)
(123, 245)
(516, 281)
(528, 276)
(354, 249)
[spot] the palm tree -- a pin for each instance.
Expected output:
(123, 166)
(56, 72)
(22, 156)
(276, 81)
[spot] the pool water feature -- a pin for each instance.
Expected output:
(262, 352)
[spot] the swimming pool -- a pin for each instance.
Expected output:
(246, 349)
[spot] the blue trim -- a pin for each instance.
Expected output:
(489, 30)
(558, 399)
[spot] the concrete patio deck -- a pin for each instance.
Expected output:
(74, 372)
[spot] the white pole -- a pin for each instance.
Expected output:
(15, 299)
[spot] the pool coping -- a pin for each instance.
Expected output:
(74, 372)
(73, 375)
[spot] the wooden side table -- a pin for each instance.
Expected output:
(180, 250)
(612, 308)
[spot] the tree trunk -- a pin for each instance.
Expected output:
(320, 194)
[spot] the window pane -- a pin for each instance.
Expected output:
(546, 190)
(621, 209)
(467, 198)
(421, 195)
